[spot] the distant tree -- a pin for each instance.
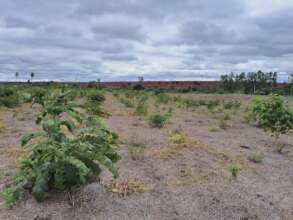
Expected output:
(32, 76)
(16, 76)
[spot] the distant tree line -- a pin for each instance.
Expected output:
(250, 83)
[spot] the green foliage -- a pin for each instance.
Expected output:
(234, 169)
(61, 159)
(158, 120)
(272, 114)
(9, 97)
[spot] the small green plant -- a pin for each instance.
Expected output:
(234, 169)
(136, 149)
(272, 114)
(7, 195)
(158, 120)
(256, 157)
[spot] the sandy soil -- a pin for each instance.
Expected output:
(176, 181)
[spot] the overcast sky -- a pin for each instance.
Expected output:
(158, 39)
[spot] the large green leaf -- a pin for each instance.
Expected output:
(27, 137)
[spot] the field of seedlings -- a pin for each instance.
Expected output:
(70, 153)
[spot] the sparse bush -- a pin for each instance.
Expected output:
(256, 157)
(158, 120)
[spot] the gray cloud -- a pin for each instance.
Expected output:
(168, 39)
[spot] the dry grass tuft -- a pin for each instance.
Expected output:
(131, 185)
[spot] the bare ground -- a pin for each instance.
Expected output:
(187, 181)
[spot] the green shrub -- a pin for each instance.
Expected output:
(158, 120)
(272, 114)
(61, 159)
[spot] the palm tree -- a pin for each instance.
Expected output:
(16, 76)
(32, 76)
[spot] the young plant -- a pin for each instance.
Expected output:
(234, 169)
(62, 159)
(272, 114)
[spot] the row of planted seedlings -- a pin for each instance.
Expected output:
(70, 148)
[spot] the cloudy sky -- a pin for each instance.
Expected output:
(158, 39)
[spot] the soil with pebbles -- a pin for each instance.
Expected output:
(189, 182)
